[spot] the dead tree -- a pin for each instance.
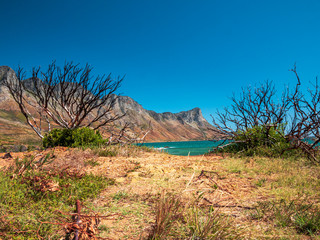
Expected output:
(69, 97)
(293, 115)
(255, 107)
(127, 134)
(304, 131)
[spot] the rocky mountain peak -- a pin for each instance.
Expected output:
(193, 116)
(125, 103)
(5, 72)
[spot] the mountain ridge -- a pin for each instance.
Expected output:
(166, 126)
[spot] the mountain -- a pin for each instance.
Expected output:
(167, 126)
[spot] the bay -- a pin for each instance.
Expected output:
(184, 148)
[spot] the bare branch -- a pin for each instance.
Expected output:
(69, 97)
(295, 116)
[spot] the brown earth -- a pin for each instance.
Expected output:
(142, 177)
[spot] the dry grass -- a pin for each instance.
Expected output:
(168, 212)
(234, 188)
(279, 178)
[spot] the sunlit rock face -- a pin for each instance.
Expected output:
(167, 126)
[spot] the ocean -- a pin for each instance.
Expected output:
(185, 148)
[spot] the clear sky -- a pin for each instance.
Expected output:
(176, 54)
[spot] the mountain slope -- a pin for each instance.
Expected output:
(182, 126)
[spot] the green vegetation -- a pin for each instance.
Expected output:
(106, 153)
(120, 195)
(79, 137)
(261, 141)
(92, 163)
(12, 115)
(33, 201)
(261, 121)
(303, 217)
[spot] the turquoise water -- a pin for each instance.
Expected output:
(186, 148)
(191, 148)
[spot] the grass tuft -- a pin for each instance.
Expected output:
(168, 211)
(177, 220)
(303, 217)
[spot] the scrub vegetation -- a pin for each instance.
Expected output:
(262, 122)
(78, 137)
(139, 194)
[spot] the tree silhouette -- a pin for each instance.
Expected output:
(295, 116)
(69, 97)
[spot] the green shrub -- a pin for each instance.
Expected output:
(261, 141)
(262, 136)
(84, 137)
(79, 137)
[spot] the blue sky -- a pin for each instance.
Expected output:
(176, 54)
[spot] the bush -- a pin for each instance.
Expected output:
(58, 137)
(79, 137)
(259, 140)
(87, 137)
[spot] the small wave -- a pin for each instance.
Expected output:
(162, 148)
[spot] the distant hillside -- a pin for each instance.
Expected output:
(182, 126)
